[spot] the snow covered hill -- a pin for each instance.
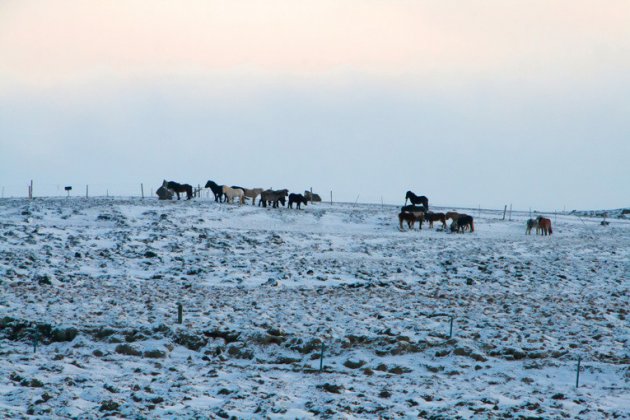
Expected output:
(95, 285)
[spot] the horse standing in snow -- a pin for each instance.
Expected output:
(414, 199)
(231, 193)
(297, 199)
(544, 225)
(179, 188)
(411, 219)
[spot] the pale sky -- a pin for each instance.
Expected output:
(469, 103)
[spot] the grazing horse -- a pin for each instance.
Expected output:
(164, 193)
(451, 215)
(179, 188)
(435, 217)
(298, 199)
(414, 199)
(413, 209)
(273, 196)
(464, 221)
(231, 193)
(217, 190)
(252, 193)
(531, 224)
(313, 198)
(544, 225)
(411, 219)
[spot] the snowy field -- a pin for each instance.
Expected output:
(97, 283)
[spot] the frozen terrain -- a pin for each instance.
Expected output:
(96, 284)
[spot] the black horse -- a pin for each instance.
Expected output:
(465, 222)
(417, 199)
(298, 199)
(180, 188)
(217, 190)
(274, 197)
(413, 209)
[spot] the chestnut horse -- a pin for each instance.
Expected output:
(411, 219)
(544, 225)
(452, 215)
(435, 217)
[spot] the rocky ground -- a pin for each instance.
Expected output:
(90, 288)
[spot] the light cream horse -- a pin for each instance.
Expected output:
(252, 193)
(231, 193)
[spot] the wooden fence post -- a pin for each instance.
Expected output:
(504, 210)
(321, 358)
(577, 377)
(142, 190)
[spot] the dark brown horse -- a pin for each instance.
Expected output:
(464, 222)
(417, 199)
(179, 188)
(298, 199)
(435, 217)
(411, 219)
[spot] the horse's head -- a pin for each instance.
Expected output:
(209, 184)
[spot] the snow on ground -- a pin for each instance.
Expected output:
(97, 282)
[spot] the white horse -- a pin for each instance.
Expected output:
(231, 193)
(252, 193)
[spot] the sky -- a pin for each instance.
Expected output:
(476, 103)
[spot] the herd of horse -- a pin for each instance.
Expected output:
(230, 194)
(416, 212)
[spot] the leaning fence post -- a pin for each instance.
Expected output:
(504, 210)
(321, 358)
(180, 313)
(35, 341)
(577, 376)
(450, 332)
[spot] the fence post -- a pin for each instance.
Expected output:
(180, 313)
(321, 358)
(504, 210)
(86, 191)
(142, 190)
(577, 377)
(450, 332)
